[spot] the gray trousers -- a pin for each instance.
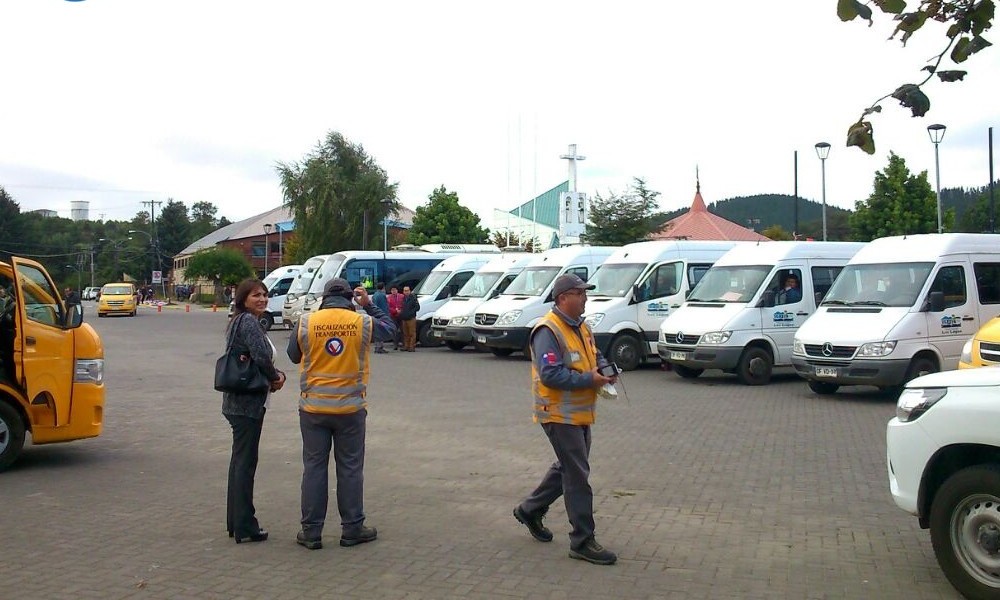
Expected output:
(567, 477)
(346, 435)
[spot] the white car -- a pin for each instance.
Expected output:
(943, 452)
(90, 293)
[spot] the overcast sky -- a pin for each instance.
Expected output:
(121, 101)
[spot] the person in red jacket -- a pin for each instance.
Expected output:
(395, 307)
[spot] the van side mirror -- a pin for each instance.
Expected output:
(819, 298)
(75, 317)
(687, 294)
(935, 301)
(494, 294)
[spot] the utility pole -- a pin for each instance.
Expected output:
(152, 239)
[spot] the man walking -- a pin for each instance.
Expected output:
(565, 380)
(408, 317)
(332, 345)
(380, 300)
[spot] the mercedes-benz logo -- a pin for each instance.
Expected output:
(828, 349)
(680, 337)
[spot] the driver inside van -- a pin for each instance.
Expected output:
(790, 292)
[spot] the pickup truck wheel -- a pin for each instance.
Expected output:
(11, 435)
(456, 346)
(965, 530)
(754, 367)
(501, 351)
(266, 321)
(626, 352)
(823, 388)
(687, 372)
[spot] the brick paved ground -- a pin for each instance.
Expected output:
(706, 489)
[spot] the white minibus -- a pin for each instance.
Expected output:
(443, 282)
(291, 309)
(277, 284)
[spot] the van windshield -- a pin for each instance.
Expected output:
(304, 278)
(116, 290)
(885, 284)
(730, 284)
(432, 283)
(615, 280)
(532, 281)
(329, 270)
(478, 286)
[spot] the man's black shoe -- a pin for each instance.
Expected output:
(365, 534)
(593, 552)
(260, 536)
(534, 524)
(312, 544)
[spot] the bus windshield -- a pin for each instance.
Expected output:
(886, 284)
(478, 286)
(432, 283)
(730, 284)
(615, 280)
(532, 281)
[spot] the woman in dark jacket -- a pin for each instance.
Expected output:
(245, 412)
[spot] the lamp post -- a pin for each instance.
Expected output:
(822, 151)
(936, 133)
(267, 231)
(387, 203)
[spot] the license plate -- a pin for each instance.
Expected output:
(678, 355)
(437, 334)
(481, 339)
(826, 371)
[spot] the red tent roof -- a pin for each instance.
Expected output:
(699, 224)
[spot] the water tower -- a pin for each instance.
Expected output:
(79, 210)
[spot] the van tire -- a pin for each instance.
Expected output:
(425, 338)
(962, 513)
(754, 367)
(501, 351)
(921, 365)
(626, 352)
(266, 321)
(687, 372)
(823, 388)
(456, 346)
(11, 435)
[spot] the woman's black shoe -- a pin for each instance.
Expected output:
(260, 536)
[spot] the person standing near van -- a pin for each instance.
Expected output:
(380, 300)
(565, 379)
(332, 347)
(408, 317)
(395, 301)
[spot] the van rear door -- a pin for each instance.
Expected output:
(44, 346)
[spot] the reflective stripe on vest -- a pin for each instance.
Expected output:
(333, 376)
(575, 407)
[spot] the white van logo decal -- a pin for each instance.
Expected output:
(948, 321)
(658, 308)
(784, 318)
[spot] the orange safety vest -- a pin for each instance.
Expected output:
(574, 407)
(333, 375)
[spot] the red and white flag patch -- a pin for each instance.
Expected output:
(550, 358)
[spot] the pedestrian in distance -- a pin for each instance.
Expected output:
(72, 297)
(380, 300)
(565, 377)
(408, 317)
(332, 347)
(395, 301)
(245, 412)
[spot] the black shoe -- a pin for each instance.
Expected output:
(593, 552)
(260, 536)
(312, 544)
(365, 534)
(534, 524)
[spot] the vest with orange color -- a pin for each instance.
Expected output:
(333, 375)
(574, 407)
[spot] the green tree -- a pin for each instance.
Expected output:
(776, 232)
(220, 265)
(976, 218)
(173, 232)
(502, 239)
(966, 20)
(622, 219)
(444, 221)
(900, 203)
(10, 211)
(336, 194)
(203, 221)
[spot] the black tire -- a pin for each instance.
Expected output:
(456, 346)
(425, 338)
(755, 366)
(626, 352)
(501, 351)
(823, 388)
(11, 435)
(922, 365)
(687, 372)
(266, 321)
(965, 530)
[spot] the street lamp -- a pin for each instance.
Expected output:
(822, 151)
(387, 203)
(267, 231)
(936, 132)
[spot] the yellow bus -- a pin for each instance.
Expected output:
(51, 364)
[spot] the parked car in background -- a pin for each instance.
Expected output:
(943, 455)
(89, 293)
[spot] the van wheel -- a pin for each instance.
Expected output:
(920, 366)
(11, 435)
(266, 321)
(425, 338)
(965, 530)
(626, 352)
(687, 372)
(754, 367)
(823, 388)
(501, 351)
(456, 346)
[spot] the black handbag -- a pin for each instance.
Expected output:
(236, 373)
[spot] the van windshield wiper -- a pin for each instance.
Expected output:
(868, 303)
(840, 302)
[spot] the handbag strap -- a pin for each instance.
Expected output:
(232, 331)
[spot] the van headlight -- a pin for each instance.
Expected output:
(876, 349)
(508, 318)
(594, 320)
(914, 402)
(716, 337)
(966, 352)
(459, 320)
(798, 348)
(89, 370)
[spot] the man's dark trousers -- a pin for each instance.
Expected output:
(567, 477)
(240, 519)
(346, 435)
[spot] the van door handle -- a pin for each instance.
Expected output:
(968, 318)
(675, 306)
(801, 314)
(29, 341)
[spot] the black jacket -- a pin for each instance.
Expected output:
(410, 307)
(248, 337)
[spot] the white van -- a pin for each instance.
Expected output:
(277, 284)
(443, 282)
(743, 314)
(903, 307)
(504, 323)
(291, 310)
(452, 323)
(637, 287)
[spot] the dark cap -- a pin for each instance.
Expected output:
(567, 282)
(338, 287)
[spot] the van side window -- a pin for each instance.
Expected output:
(988, 282)
(823, 278)
(580, 272)
(695, 273)
(41, 301)
(663, 281)
(281, 288)
(457, 282)
(951, 281)
(786, 285)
